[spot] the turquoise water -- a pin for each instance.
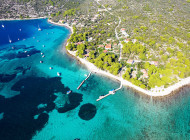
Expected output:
(29, 108)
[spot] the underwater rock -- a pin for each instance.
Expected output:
(60, 100)
(22, 69)
(5, 78)
(28, 53)
(41, 120)
(19, 111)
(17, 47)
(25, 70)
(87, 111)
(75, 99)
(20, 54)
(19, 68)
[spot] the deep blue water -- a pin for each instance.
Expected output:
(15, 30)
(34, 104)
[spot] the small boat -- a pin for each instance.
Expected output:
(25, 51)
(50, 68)
(28, 55)
(20, 30)
(42, 53)
(41, 61)
(68, 92)
(10, 41)
(39, 29)
(18, 39)
(43, 45)
(58, 74)
(43, 56)
(3, 26)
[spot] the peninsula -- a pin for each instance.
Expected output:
(137, 43)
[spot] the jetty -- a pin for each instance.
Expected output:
(84, 80)
(111, 92)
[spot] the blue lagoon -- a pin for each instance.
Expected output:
(34, 103)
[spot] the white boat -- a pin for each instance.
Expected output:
(43, 56)
(50, 68)
(18, 39)
(20, 30)
(39, 29)
(58, 74)
(3, 26)
(10, 41)
(41, 61)
(68, 92)
(43, 45)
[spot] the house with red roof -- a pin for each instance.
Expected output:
(134, 74)
(145, 74)
(78, 43)
(124, 32)
(105, 51)
(100, 46)
(108, 47)
(115, 44)
(130, 61)
(154, 63)
(86, 55)
(127, 40)
(122, 29)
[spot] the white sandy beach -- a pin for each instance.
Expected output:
(61, 24)
(166, 91)
(155, 93)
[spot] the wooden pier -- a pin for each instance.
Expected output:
(112, 92)
(84, 81)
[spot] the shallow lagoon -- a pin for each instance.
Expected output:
(34, 104)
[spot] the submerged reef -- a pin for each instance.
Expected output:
(87, 111)
(5, 78)
(19, 120)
